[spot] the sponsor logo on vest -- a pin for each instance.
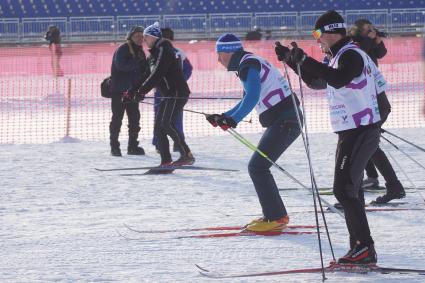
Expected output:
(339, 106)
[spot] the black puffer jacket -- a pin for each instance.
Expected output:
(374, 50)
(128, 69)
(166, 71)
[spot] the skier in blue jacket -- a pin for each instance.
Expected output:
(266, 90)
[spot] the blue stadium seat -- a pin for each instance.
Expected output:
(72, 8)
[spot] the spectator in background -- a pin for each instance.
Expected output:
(254, 35)
(129, 66)
(54, 39)
(168, 33)
(268, 35)
(369, 39)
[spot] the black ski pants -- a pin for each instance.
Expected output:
(355, 147)
(133, 114)
(165, 120)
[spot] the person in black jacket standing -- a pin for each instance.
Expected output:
(350, 80)
(167, 76)
(370, 41)
(129, 65)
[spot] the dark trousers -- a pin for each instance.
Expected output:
(379, 158)
(380, 161)
(355, 147)
(178, 123)
(118, 108)
(168, 112)
(275, 140)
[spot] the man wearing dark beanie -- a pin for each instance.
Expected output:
(167, 76)
(349, 77)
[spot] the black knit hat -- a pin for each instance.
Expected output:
(134, 30)
(331, 22)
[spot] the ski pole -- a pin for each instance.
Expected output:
(256, 149)
(406, 141)
(402, 170)
(314, 188)
(193, 111)
(402, 151)
(194, 98)
(305, 139)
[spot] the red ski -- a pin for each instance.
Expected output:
(333, 267)
(221, 235)
(248, 234)
(217, 228)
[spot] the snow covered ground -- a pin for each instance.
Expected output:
(59, 217)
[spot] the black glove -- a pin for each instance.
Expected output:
(132, 95)
(139, 97)
(213, 118)
(297, 54)
(128, 96)
(226, 122)
(283, 53)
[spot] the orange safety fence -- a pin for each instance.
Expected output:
(38, 107)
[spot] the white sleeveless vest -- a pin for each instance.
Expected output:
(355, 104)
(274, 87)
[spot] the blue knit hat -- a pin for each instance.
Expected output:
(228, 43)
(153, 30)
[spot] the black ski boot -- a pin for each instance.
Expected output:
(394, 191)
(115, 151)
(135, 150)
(133, 145)
(113, 138)
(360, 254)
(187, 159)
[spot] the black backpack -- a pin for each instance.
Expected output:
(105, 88)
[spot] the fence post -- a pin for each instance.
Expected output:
(68, 109)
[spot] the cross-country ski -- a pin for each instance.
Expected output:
(333, 267)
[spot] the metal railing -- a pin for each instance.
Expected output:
(9, 29)
(186, 26)
(407, 20)
(202, 26)
(34, 29)
(283, 23)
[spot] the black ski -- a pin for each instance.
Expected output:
(165, 168)
(333, 267)
(329, 191)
